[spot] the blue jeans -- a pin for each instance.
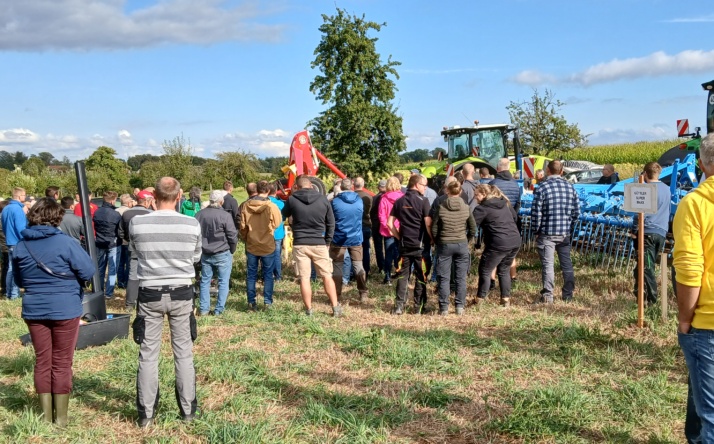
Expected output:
(267, 263)
(547, 247)
(278, 260)
(123, 266)
(366, 237)
(107, 256)
(346, 268)
(696, 346)
(392, 254)
(222, 264)
(13, 290)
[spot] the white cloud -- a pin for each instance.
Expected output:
(17, 135)
(103, 24)
(608, 136)
(700, 19)
(124, 137)
(264, 143)
(657, 64)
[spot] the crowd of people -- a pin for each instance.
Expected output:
(160, 246)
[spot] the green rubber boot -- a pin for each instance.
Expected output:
(61, 403)
(46, 406)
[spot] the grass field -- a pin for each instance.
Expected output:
(569, 373)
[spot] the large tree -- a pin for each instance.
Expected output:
(543, 129)
(360, 131)
(106, 172)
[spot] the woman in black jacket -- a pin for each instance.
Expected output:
(497, 219)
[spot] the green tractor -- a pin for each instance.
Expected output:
(692, 145)
(482, 146)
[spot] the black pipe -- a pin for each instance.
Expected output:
(709, 86)
(89, 243)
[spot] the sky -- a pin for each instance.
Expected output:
(235, 75)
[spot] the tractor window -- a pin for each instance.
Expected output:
(458, 147)
(490, 145)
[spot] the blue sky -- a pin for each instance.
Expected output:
(235, 75)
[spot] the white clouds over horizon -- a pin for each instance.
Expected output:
(657, 64)
(85, 25)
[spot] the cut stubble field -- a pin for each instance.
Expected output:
(568, 373)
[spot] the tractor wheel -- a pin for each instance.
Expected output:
(318, 184)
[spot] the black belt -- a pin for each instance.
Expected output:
(176, 292)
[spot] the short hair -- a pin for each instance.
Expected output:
(17, 191)
(609, 166)
(450, 179)
(453, 188)
(167, 189)
(110, 196)
(272, 188)
(227, 185)
(67, 202)
(706, 150)
(51, 191)
(504, 164)
(303, 182)
(468, 169)
(263, 187)
(484, 172)
(538, 171)
(393, 184)
(346, 184)
(652, 170)
(459, 176)
(359, 183)
(399, 177)
(414, 180)
(251, 188)
(125, 198)
(555, 167)
(45, 212)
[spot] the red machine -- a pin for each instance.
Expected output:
(305, 159)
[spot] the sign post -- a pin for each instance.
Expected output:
(641, 198)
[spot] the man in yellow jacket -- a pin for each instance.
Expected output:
(693, 230)
(259, 217)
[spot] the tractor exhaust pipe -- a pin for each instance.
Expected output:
(709, 86)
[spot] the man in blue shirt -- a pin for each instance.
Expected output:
(656, 227)
(14, 221)
(554, 211)
(278, 234)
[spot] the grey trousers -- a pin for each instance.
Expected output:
(147, 377)
(132, 285)
(547, 247)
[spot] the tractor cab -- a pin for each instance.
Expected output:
(484, 144)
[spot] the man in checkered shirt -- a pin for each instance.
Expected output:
(554, 212)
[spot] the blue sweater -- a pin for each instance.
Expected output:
(279, 232)
(347, 207)
(658, 223)
(49, 297)
(13, 222)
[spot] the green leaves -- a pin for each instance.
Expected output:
(361, 131)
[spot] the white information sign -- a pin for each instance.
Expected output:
(641, 197)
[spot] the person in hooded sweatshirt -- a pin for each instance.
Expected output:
(192, 205)
(259, 217)
(313, 225)
(452, 228)
(497, 219)
(393, 193)
(348, 208)
(52, 268)
(509, 187)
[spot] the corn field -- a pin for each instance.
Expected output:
(638, 153)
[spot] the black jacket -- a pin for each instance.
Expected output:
(313, 222)
(106, 225)
(373, 211)
(230, 204)
(509, 187)
(498, 221)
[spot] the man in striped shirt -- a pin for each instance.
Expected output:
(554, 212)
(166, 245)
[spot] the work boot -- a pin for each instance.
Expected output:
(363, 296)
(398, 310)
(61, 404)
(505, 302)
(337, 311)
(46, 406)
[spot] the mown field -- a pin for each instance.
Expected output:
(569, 373)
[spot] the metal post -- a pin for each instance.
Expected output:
(641, 267)
(83, 190)
(663, 285)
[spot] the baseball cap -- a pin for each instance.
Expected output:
(382, 183)
(143, 194)
(415, 171)
(215, 196)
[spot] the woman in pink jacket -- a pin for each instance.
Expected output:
(394, 192)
